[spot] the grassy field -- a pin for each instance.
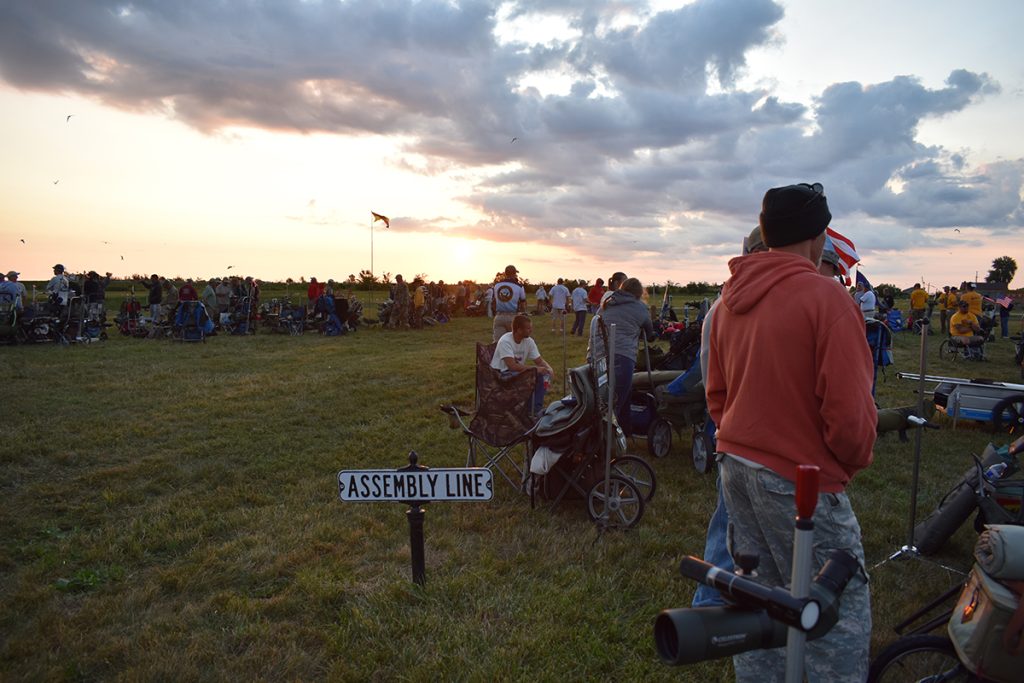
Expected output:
(170, 511)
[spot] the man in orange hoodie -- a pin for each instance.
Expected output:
(789, 383)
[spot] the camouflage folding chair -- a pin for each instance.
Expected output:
(500, 428)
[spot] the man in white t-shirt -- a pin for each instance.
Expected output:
(559, 298)
(866, 300)
(515, 349)
(579, 307)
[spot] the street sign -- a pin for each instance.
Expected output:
(457, 483)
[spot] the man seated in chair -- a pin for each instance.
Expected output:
(964, 327)
(515, 349)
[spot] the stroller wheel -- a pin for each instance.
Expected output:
(701, 452)
(636, 470)
(622, 508)
(659, 438)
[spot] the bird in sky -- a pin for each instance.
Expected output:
(230, 267)
(23, 241)
(956, 229)
(122, 258)
(513, 140)
(104, 242)
(56, 181)
(68, 118)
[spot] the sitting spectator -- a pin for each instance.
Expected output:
(964, 326)
(515, 349)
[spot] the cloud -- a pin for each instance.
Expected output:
(650, 143)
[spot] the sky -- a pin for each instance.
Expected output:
(571, 138)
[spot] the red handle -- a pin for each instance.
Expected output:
(806, 490)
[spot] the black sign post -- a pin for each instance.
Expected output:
(416, 485)
(415, 515)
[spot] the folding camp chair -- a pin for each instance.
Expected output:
(501, 422)
(879, 338)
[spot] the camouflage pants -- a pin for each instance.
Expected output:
(762, 508)
(399, 316)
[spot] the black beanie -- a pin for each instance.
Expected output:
(793, 213)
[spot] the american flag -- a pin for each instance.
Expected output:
(847, 253)
(1005, 301)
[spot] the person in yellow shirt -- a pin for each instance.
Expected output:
(964, 326)
(973, 300)
(918, 302)
(947, 305)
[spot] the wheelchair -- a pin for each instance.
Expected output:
(955, 349)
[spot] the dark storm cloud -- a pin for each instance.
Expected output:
(652, 135)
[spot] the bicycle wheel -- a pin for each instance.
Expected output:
(622, 508)
(918, 658)
(636, 470)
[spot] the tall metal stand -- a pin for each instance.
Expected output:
(910, 549)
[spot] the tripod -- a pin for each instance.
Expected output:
(909, 549)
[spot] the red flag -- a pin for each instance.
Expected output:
(381, 217)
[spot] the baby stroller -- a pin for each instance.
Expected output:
(684, 347)
(571, 447)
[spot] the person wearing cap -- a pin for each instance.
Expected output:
(509, 298)
(59, 286)
(829, 266)
(15, 290)
(964, 326)
(808, 402)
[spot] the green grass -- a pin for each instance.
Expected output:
(170, 511)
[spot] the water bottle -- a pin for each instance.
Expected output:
(995, 471)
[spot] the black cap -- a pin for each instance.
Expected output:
(793, 213)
